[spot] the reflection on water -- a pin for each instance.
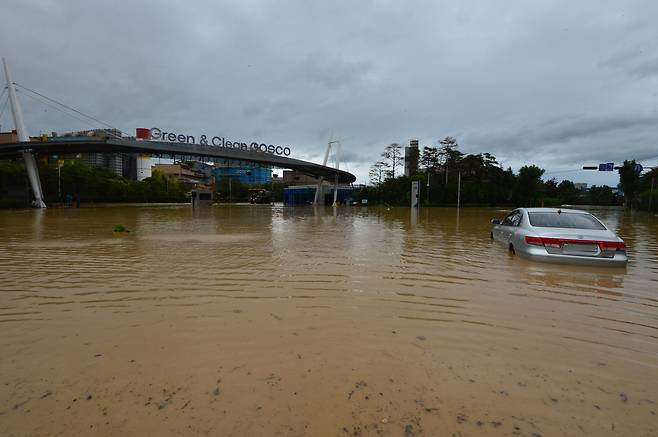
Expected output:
(248, 320)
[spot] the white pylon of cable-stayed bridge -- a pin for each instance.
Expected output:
(337, 149)
(23, 137)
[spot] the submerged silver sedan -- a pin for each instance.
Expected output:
(560, 235)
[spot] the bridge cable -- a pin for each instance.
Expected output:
(4, 90)
(70, 115)
(69, 108)
(4, 106)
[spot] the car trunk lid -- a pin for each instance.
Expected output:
(579, 242)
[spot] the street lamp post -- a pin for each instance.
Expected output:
(60, 163)
(459, 188)
(651, 192)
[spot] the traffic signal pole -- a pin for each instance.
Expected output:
(609, 166)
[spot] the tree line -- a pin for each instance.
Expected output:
(484, 181)
(89, 184)
(99, 184)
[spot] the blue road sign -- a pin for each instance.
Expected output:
(639, 168)
(607, 166)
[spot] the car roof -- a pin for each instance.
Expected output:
(555, 210)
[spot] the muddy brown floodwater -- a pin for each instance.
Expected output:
(259, 320)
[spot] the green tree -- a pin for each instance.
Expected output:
(629, 182)
(551, 188)
(529, 183)
(377, 172)
(567, 192)
(451, 157)
(430, 159)
(648, 198)
(393, 154)
(602, 195)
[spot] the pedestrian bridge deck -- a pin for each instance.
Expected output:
(157, 148)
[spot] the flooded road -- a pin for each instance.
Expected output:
(259, 320)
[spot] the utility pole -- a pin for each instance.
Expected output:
(428, 186)
(651, 192)
(459, 186)
(59, 181)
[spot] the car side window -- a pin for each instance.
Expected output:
(516, 218)
(508, 220)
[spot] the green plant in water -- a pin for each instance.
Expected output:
(120, 228)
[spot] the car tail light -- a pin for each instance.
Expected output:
(537, 241)
(558, 242)
(543, 241)
(617, 245)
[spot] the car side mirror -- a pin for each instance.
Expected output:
(495, 222)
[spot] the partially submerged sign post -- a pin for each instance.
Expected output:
(414, 194)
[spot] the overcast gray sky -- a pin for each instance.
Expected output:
(555, 83)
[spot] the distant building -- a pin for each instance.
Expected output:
(121, 164)
(250, 175)
(185, 173)
(8, 137)
(411, 155)
(580, 186)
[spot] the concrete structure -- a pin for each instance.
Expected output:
(411, 156)
(8, 137)
(176, 151)
(184, 173)
(121, 164)
(143, 166)
(337, 148)
(294, 177)
(415, 189)
(201, 197)
(21, 133)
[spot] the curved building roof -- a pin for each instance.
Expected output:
(66, 145)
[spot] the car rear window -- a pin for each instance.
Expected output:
(564, 220)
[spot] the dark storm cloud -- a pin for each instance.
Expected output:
(554, 83)
(635, 62)
(570, 130)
